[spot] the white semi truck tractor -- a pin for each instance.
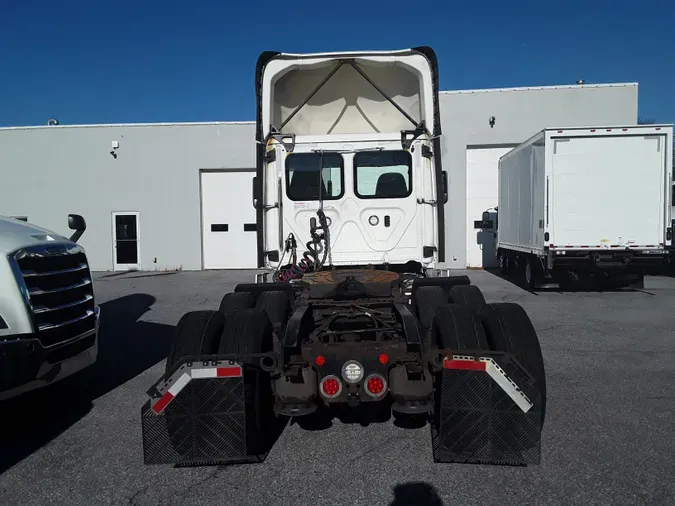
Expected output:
(48, 316)
(350, 196)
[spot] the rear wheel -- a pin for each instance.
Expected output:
(236, 301)
(426, 301)
(467, 295)
(503, 262)
(277, 307)
(457, 327)
(197, 333)
(250, 331)
(531, 272)
(510, 330)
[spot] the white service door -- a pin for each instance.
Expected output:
(482, 182)
(228, 220)
(126, 241)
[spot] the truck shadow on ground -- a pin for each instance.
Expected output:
(416, 494)
(580, 286)
(127, 347)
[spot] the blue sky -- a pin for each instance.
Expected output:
(149, 60)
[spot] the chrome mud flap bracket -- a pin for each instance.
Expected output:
(488, 412)
(198, 414)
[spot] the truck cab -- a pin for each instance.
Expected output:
(348, 147)
(48, 316)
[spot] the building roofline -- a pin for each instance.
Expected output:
(216, 123)
(125, 125)
(532, 88)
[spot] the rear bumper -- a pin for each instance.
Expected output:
(26, 365)
(609, 260)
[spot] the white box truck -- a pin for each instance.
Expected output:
(49, 319)
(582, 203)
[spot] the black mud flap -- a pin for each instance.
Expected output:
(489, 412)
(200, 414)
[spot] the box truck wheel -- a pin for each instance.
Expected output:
(504, 265)
(236, 301)
(531, 272)
(197, 333)
(250, 331)
(467, 295)
(510, 330)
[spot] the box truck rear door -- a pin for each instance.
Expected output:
(608, 190)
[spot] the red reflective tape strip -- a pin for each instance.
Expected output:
(466, 365)
(228, 372)
(162, 402)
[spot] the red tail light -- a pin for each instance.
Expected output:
(330, 386)
(376, 385)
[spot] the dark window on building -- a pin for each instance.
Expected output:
(302, 176)
(383, 174)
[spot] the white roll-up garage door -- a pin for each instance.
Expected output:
(481, 196)
(228, 220)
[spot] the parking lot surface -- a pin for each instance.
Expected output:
(609, 436)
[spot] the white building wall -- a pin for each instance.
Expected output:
(49, 172)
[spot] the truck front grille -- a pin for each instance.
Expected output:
(59, 290)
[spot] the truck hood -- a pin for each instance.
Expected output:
(16, 234)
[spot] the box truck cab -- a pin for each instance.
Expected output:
(48, 316)
(348, 149)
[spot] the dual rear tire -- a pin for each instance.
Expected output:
(462, 320)
(243, 324)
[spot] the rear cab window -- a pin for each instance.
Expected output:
(383, 174)
(303, 180)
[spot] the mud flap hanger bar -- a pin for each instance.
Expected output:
(268, 362)
(482, 361)
(420, 127)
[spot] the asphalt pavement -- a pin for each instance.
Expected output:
(609, 436)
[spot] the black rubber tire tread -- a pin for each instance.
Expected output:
(258, 288)
(197, 333)
(467, 295)
(445, 282)
(458, 327)
(276, 305)
(509, 329)
(250, 331)
(236, 301)
(427, 300)
(246, 331)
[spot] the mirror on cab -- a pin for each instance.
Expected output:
(76, 223)
(485, 223)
